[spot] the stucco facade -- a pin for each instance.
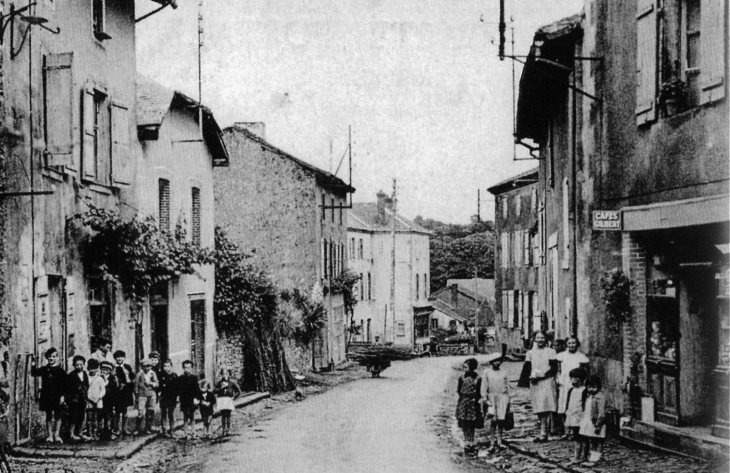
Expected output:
(289, 216)
(68, 119)
(175, 185)
(518, 261)
(370, 252)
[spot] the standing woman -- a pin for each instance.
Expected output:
(568, 361)
(468, 408)
(540, 362)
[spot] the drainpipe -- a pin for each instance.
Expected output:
(574, 209)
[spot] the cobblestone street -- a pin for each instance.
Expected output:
(525, 456)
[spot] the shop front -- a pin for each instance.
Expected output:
(679, 267)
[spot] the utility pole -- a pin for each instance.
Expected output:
(392, 261)
(479, 205)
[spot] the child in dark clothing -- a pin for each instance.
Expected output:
(125, 394)
(108, 401)
(53, 387)
(189, 393)
(227, 390)
(168, 397)
(207, 403)
(77, 388)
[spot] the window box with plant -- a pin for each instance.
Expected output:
(673, 95)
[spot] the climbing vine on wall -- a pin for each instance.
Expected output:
(135, 254)
(616, 295)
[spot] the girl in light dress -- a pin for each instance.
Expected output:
(573, 409)
(541, 366)
(495, 388)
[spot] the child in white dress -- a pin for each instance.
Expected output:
(495, 386)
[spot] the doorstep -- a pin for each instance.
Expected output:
(696, 442)
(119, 449)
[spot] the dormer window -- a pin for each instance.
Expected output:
(98, 15)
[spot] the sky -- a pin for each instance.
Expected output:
(419, 81)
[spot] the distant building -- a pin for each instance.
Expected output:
(176, 186)
(518, 260)
(370, 245)
(457, 308)
(289, 216)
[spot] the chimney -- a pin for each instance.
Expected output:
(455, 296)
(257, 128)
(382, 198)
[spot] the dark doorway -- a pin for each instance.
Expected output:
(99, 312)
(159, 325)
(197, 334)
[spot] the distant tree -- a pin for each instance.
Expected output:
(457, 251)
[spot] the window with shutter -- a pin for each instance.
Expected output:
(646, 61)
(511, 309)
(121, 159)
(98, 16)
(58, 113)
(91, 111)
(505, 306)
(712, 52)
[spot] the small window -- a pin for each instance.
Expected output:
(332, 205)
(518, 205)
(692, 40)
(323, 207)
(362, 289)
(359, 251)
(418, 288)
(99, 19)
(505, 207)
(370, 287)
(401, 329)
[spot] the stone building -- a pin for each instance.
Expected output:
(373, 257)
(634, 175)
(291, 217)
(69, 143)
(457, 307)
(175, 185)
(518, 261)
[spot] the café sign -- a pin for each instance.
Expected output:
(607, 220)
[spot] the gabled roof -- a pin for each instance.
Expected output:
(154, 101)
(323, 178)
(367, 217)
(520, 180)
(544, 81)
(484, 287)
(448, 310)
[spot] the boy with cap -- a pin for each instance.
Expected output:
(77, 391)
(168, 397)
(53, 388)
(94, 396)
(145, 385)
(125, 383)
(109, 401)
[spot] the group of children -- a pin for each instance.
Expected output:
(95, 396)
(485, 401)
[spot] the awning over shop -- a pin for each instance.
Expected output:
(679, 213)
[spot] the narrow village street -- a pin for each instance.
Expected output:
(401, 422)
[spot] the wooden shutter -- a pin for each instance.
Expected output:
(88, 135)
(58, 75)
(712, 50)
(511, 309)
(122, 167)
(646, 61)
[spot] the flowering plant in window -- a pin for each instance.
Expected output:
(673, 90)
